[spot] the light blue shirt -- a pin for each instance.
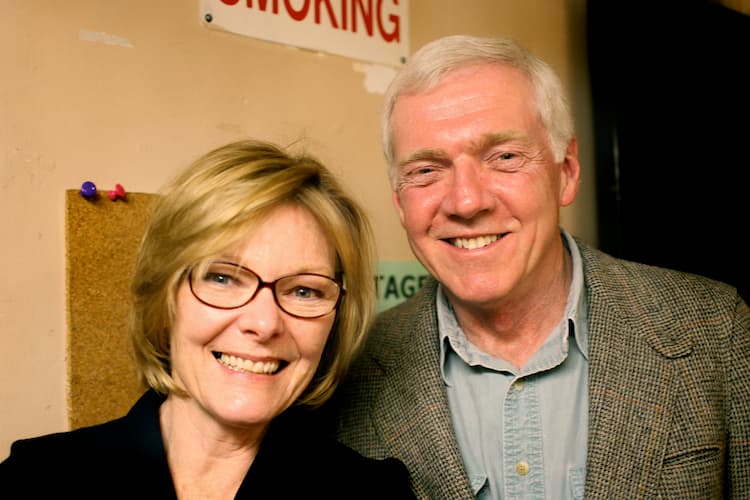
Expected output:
(522, 433)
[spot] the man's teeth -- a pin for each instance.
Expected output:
(471, 243)
(247, 365)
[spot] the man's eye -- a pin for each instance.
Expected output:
(424, 170)
(505, 161)
(419, 175)
(502, 156)
(417, 171)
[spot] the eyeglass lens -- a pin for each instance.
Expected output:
(226, 285)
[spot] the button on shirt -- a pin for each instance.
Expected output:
(522, 433)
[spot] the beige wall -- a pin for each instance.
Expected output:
(129, 92)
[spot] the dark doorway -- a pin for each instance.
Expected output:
(671, 118)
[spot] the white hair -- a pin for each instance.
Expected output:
(434, 61)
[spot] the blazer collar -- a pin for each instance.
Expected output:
(418, 425)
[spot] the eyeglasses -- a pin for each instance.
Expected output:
(225, 285)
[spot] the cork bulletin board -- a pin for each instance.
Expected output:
(102, 239)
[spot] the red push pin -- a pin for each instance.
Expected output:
(117, 193)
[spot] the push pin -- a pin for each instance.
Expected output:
(88, 190)
(117, 193)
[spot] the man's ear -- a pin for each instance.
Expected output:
(570, 174)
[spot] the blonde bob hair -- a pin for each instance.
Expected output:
(210, 208)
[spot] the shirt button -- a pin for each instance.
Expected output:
(522, 468)
(518, 385)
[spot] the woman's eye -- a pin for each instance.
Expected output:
(306, 293)
(217, 278)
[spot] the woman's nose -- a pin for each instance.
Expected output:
(261, 316)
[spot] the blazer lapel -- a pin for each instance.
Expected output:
(417, 424)
(630, 382)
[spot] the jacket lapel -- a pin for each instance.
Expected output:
(631, 386)
(417, 424)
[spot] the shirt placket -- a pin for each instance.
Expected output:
(523, 465)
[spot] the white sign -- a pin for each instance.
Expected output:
(368, 30)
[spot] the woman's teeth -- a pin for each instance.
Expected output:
(247, 365)
(471, 243)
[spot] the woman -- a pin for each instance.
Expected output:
(253, 289)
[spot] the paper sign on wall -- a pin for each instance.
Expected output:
(396, 281)
(368, 30)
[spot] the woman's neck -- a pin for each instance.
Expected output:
(207, 460)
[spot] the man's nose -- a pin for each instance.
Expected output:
(468, 193)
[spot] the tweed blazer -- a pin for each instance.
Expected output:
(669, 389)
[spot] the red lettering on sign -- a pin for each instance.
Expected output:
(329, 10)
(262, 4)
(350, 13)
(393, 35)
(297, 15)
(344, 16)
(366, 15)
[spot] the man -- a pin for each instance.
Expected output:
(533, 366)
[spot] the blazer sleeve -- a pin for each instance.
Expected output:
(739, 402)
(31, 468)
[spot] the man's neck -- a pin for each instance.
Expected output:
(516, 328)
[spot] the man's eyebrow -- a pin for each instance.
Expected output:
(433, 155)
(493, 139)
(485, 142)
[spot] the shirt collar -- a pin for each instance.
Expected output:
(452, 338)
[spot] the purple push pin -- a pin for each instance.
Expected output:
(88, 190)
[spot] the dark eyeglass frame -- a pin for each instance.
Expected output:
(272, 286)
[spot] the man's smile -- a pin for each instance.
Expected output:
(474, 242)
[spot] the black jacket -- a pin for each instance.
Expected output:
(125, 458)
